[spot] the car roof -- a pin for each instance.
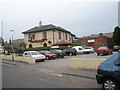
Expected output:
(31, 51)
(111, 59)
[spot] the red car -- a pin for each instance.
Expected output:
(104, 50)
(48, 55)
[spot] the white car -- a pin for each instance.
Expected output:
(34, 54)
(88, 50)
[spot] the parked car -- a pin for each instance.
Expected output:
(104, 50)
(79, 49)
(48, 54)
(35, 54)
(116, 48)
(119, 51)
(108, 73)
(88, 50)
(70, 52)
(59, 53)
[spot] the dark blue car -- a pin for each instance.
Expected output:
(108, 73)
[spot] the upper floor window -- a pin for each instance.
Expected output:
(59, 35)
(66, 36)
(44, 35)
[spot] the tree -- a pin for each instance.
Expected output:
(116, 36)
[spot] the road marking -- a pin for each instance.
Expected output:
(8, 64)
(56, 74)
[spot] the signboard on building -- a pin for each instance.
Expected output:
(89, 41)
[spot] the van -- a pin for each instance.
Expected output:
(79, 49)
(34, 54)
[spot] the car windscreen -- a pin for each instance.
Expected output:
(46, 52)
(35, 53)
(58, 50)
(102, 48)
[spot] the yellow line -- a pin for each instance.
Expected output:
(56, 74)
(8, 64)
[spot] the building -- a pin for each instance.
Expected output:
(18, 43)
(46, 35)
(13, 45)
(97, 40)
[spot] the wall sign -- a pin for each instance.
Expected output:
(89, 41)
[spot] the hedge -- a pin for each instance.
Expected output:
(21, 50)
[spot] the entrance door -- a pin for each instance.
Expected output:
(91, 44)
(45, 45)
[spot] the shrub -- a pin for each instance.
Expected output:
(19, 50)
(37, 49)
(77, 44)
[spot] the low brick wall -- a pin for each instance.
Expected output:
(7, 57)
(85, 63)
(29, 60)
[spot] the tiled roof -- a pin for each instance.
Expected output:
(44, 28)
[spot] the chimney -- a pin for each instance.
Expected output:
(40, 24)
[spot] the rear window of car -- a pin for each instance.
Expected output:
(117, 63)
(87, 47)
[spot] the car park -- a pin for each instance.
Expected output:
(104, 50)
(70, 52)
(34, 54)
(108, 73)
(48, 54)
(59, 53)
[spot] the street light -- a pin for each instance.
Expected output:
(12, 43)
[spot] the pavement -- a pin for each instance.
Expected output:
(51, 69)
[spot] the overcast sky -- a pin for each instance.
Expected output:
(81, 17)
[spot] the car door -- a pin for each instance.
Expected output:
(80, 50)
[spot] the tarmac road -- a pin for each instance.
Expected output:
(16, 77)
(48, 74)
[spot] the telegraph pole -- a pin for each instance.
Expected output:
(2, 32)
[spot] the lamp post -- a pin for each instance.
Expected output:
(12, 43)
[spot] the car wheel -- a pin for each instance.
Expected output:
(98, 54)
(111, 52)
(110, 84)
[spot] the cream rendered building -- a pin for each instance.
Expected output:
(46, 35)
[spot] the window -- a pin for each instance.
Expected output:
(66, 36)
(44, 35)
(59, 35)
(25, 53)
(80, 49)
(117, 63)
